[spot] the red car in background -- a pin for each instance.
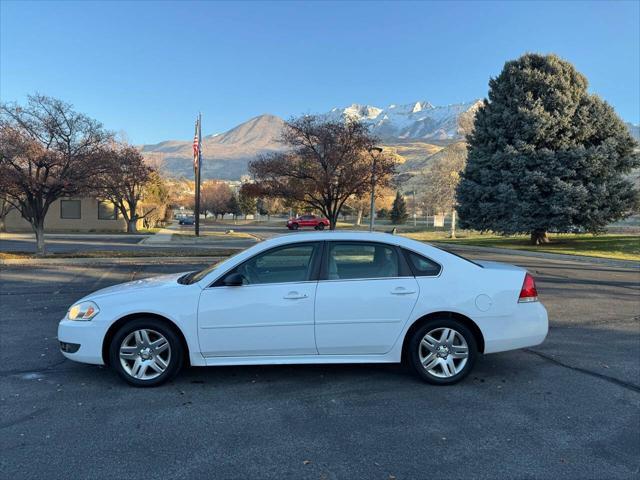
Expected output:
(308, 220)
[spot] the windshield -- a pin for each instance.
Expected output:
(194, 277)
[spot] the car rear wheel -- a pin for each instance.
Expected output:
(146, 353)
(443, 351)
(294, 226)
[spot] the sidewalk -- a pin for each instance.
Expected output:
(164, 235)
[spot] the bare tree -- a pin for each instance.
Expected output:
(47, 151)
(328, 162)
(268, 206)
(125, 181)
(441, 177)
(215, 197)
(155, 200)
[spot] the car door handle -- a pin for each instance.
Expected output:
(295, 296)
(402, 291)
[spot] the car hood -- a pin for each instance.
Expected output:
(161, 281)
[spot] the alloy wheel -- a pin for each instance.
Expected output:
(145, 354)
(443, 352)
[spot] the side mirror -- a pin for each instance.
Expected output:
(234, 280)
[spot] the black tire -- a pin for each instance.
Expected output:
(320, 226)
(175, 358)
(294, 226)
(416, 349)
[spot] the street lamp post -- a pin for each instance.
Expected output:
(374, 152)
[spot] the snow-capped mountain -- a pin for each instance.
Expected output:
(413, 121)
(634, 130)
(227, 154)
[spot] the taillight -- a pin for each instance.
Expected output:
(528, 292)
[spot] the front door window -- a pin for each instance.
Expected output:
(281, 265)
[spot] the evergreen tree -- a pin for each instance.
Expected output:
(383, 213)
(233, 206)
(398, 212)
(546, 155)
(247, 203)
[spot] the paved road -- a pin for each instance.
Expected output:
(69, 243)
(567, 409)
(79, 243)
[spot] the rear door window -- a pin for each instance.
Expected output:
(356, 260)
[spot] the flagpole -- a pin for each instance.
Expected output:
(197, 175)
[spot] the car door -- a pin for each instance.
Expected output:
(364, 297)
(271, 313)
(305, 220)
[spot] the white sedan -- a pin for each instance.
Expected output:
(338, 297)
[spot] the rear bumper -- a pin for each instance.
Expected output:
(526, 328)
(88, 335)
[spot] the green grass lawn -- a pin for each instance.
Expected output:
(616, 246)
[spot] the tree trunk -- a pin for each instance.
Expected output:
(453, 224)
(539, 237)
(333, 220)
(359, 217)
(38, 228)
(3, 226)
(132, 226)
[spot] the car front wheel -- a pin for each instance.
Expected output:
(443, 351)
(294, 226)
(146, 353)
(320, 226)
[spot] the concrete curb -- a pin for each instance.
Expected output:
(546, 255)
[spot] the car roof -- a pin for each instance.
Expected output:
(333, 235)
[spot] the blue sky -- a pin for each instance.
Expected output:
(147, 68)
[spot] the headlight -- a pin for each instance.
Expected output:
(83, 311)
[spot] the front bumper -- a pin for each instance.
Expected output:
(89, 335)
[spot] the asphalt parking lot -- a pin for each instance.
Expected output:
(569, 408)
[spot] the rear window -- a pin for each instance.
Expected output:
(422, 266)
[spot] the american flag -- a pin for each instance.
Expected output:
(196, 146)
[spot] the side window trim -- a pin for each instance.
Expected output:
(316, 254)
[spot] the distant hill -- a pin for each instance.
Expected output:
(225, 155)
